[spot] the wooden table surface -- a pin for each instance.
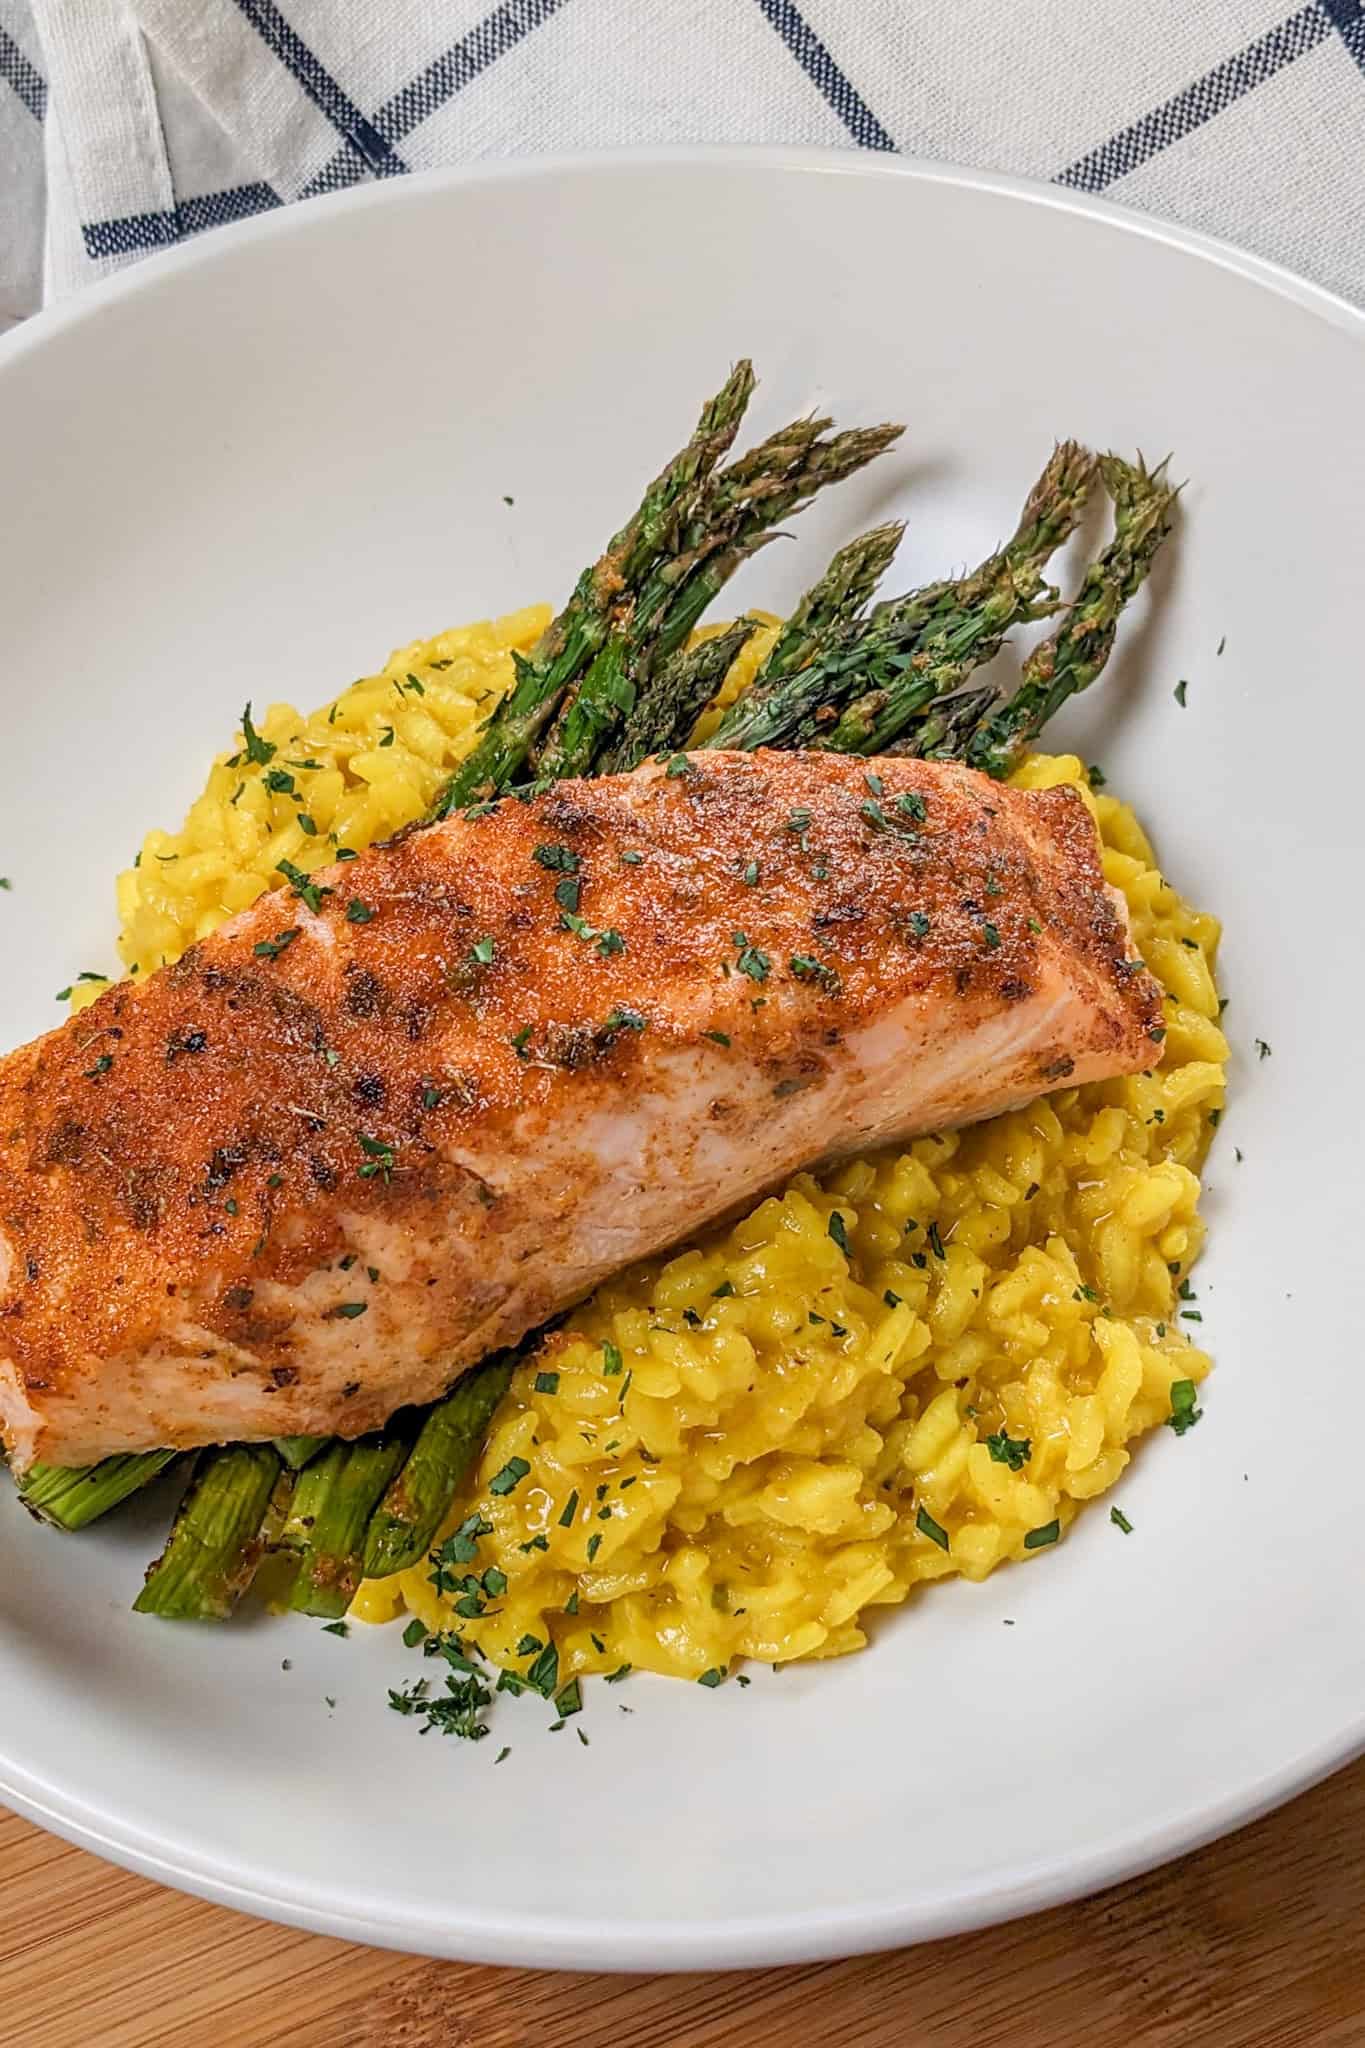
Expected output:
(1258, 1942)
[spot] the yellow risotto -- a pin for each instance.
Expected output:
(912, 1365)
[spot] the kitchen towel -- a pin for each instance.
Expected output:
(128, 125)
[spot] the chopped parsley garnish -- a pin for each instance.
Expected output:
(1038, 1539)
(1095, 776)
(482, 951)
(529, 1645)
(569, 1700)
(379, 1159)
(919, 924)
(5, 882)
(101, 1066)
(280, 782)
(623, 1019)
(935, 1242)
(414, 1633)
(912, 805)
(416, 685)
(621, 1671)
(726, 1288)
(799, 821)
(570, 1509)
(358, 912)
(838, 1230)
(310, 892)
(892, 1300)
(1262, 1049)
(1179, 693)
(991, 936)
(544, 1673)
(678, 765)
(716, 1037)
(558, 859)
(1184, 1413)
(349, 1309)
(306, 824)
(927, 1526)
(717, 1675)
(594, 1544)
(807, 968)
(510, 1477)
(387, 740)
(607, 942)
(872, 811)
(612, 1360)
(1014, 1451)
(751, 875)
(271, 949)
(752, 960)
(262, 752)
(994, 885)
(336, 1628)
(569, 891)
(546, 1383)
(1120, 1521)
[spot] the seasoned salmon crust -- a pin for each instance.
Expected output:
(407, 1109)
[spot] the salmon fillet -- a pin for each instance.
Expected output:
(354, 1141)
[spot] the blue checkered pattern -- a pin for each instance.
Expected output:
(144, 121)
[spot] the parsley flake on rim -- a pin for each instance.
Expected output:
(1184, 1412)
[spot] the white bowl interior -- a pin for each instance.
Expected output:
(252, 469)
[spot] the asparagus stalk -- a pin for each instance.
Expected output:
(333, 1500)
(828, 462)
(1074, 655)
(72, 1496)
(417, 1499)
(225, 1523)
(767, 711)
(571, 640)
(297, 1450)
(734, 514)
(946, 727)
(673, 699)
(1004, 591)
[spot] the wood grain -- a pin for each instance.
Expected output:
(1258, 1942)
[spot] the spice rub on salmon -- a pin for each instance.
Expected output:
(401, 1112)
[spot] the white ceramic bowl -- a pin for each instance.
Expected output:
(251, 467)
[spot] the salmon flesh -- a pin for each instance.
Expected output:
(365, 1134)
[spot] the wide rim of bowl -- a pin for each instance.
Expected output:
(540, 1941)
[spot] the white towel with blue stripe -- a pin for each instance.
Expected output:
(128, 125)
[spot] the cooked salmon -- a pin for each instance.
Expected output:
(393, 1117)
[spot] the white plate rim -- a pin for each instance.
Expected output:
(538, 1941)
